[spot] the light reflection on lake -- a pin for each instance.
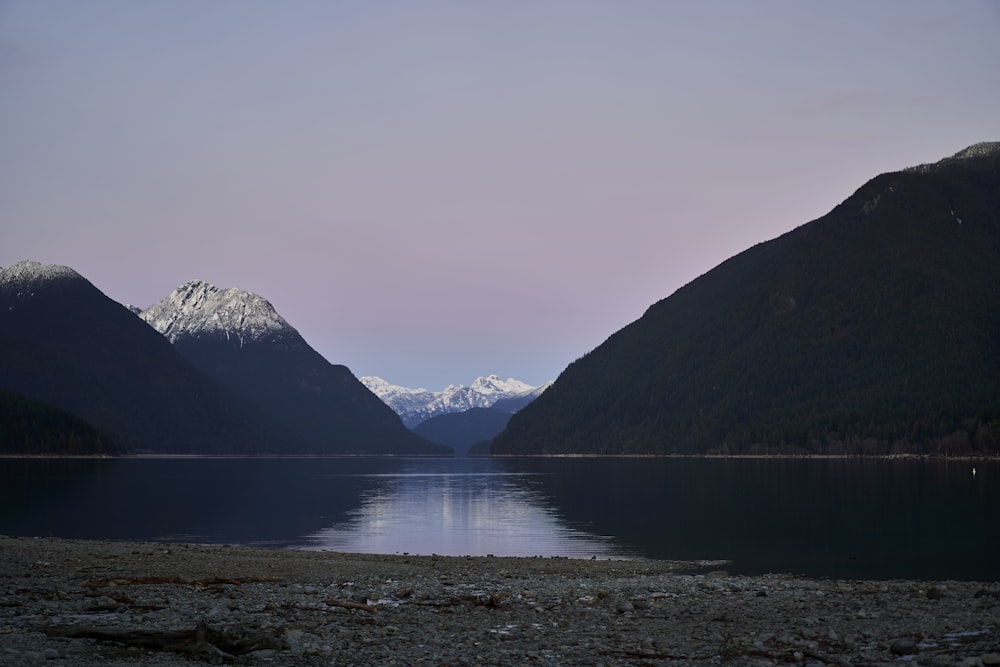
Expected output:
(471, 511)
(380, 505)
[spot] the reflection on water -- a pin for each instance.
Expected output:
(381, 505)
(469, 508)
(848, 518)
(269, 502)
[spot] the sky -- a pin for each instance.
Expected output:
(433, 191)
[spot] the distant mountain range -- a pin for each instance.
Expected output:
(874, 329)
(237, 379)
(418, 405)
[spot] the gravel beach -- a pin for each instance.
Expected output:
(71, 602)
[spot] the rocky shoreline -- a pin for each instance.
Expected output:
(73, 602)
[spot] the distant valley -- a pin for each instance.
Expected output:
(460, 417)
(872, 330)
(469, 433)
(206, 370)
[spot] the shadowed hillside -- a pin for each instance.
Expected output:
(32, 428)
(238, 339)
(873, 329)
(462, 430)
(64, 343)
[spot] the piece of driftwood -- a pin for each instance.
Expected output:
(492, 601)
(347, 604)
(211, 581)
(214, 644)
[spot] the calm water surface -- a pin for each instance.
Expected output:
(841, 518)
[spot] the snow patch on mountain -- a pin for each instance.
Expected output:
(417, 405)
(982, 149)
(200, 309)
(27, 273)
(19, 281)
(985, 153)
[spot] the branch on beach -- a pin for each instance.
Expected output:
(217, 645)
(211, 581)
(347, 604)
(491, 601)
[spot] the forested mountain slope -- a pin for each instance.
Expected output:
(873, 329)
(32, 428)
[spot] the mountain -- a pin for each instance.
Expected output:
(64, 343)
(198, 310)
(462, 430)
(418, 405)
(238, 339)
(873, 329)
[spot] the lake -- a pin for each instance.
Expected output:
(846, 518)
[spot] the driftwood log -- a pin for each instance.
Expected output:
(214, 644)
(212, 581)
(347, 604)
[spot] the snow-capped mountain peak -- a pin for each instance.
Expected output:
(198, 309)
(494, 385)
(418, 405)
(381, 387)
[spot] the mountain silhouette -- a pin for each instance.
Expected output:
(874, 329)
(64, 343)
(238, 339)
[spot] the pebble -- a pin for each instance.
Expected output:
(935, 593)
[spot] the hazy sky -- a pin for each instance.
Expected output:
(431, 191)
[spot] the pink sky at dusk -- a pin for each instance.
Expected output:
(434, 191)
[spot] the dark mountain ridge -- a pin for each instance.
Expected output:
(239, 340)
(66, 344)
(873, 329)
(462, 430)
